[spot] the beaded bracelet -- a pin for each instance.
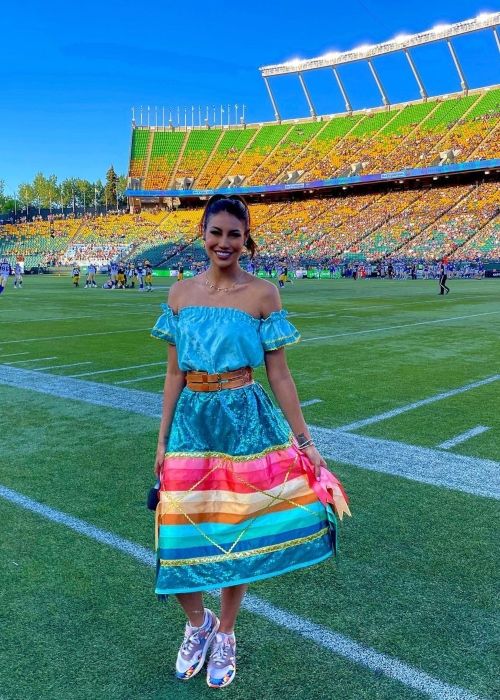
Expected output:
(307, 443)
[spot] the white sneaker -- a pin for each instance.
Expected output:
(195, 646)
(221, 668)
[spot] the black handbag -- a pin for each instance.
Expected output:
(153, 496)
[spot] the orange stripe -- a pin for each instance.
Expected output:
(179, 519)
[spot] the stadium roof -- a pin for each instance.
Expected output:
(402, 42)
(486, 20)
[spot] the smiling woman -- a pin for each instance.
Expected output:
(244, 494)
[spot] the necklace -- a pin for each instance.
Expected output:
(220, 289)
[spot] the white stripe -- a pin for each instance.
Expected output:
(467, 474)
(417, 404)
(73, 364)
(311, 402)
(76, 318)
(14, 354)
(116, 369)
(75, 335)
(448, 444)
(403, 325)
(139, 379)
(333, 641)
(33, 359)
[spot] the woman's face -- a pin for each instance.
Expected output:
(224, 239)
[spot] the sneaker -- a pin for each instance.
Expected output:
(194, 648)
(221, 668)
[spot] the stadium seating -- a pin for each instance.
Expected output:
(402, 136)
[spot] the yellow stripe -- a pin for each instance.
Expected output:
(243, 555)
(220, 501)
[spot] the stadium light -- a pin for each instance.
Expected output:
(366, 52)
(487, 20)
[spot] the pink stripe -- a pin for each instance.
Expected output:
(181, 473)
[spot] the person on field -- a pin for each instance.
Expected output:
(91, 273)
(148, 277)
(18, 272)
(5, 271)
(443, 276)
(244, 493)
(76, 276)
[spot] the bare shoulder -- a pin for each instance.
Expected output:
(267, 295)
(178, 292)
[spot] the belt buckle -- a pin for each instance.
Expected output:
(219, 382)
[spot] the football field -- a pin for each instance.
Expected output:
(401, 388)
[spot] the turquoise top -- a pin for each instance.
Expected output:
(221, 339)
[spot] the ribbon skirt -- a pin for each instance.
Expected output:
(245, 507)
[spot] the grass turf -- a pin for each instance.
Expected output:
(416, 574)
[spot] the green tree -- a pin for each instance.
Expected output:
(121, 186)
(27, 195)
(111, 187)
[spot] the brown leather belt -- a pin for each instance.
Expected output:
(203, 381)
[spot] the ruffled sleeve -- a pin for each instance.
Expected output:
(166, 326)
(276, 331)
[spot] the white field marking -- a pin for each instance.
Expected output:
(480, 477)
(76, 318)
(369, 307)
(310, 402)
(14, 354)
(402, 325)
(338, 644)
(139, 379)
(73, 364)
(33, 359)
(356, 425)
(75, 335)
(116, 369)
(448, 444)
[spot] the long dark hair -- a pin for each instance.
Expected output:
(234, 205)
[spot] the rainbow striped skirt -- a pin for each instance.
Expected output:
(239, 501)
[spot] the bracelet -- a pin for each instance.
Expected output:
(307, 443)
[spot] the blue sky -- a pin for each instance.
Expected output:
(70, 72)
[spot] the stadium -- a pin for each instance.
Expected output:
(398, 384)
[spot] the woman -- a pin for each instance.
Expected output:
(242, 498)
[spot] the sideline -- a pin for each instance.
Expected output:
(480, 477)
(333, 641)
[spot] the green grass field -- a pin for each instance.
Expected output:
(418, 564)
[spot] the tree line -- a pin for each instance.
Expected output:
(46, 192)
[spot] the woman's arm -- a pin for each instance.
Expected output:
(175, 381)
(283, 386)
(284, 390)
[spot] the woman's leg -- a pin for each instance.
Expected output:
(231, 598)
(192, 604)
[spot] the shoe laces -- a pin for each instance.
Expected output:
(221, 651)
(191, 639)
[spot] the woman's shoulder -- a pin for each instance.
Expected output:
(267, 295)
(178, 295)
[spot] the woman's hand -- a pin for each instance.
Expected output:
(160, 456)
(316, 459)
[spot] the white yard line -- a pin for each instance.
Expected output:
(14, 354)
(311, 402)
(356, 425)
(33, 359)
(480, 477)
(338, 644)
(109, 310)
(74, 335)
(402, 325)
(448, 444)
(116, 369)
(139, 379)
(73, 364)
